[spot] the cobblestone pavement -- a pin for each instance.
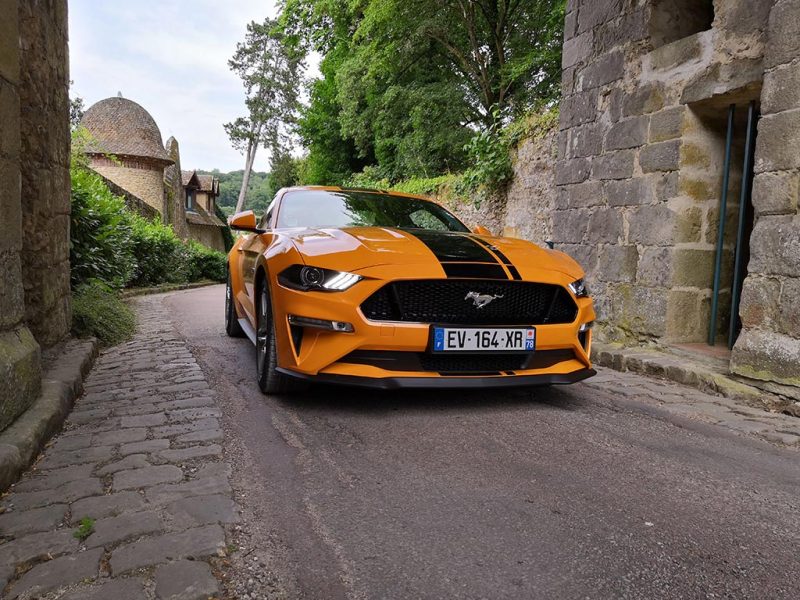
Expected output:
(140, 456)
(777, 428)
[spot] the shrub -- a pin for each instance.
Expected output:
(98, 311)
(100, 244)
(159, 254)
(490, 160)
(205, 263)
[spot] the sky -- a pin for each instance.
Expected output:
(171, 57)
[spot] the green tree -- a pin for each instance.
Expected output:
(271, 77)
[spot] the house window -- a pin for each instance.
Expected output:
(190, 200)
(672, 20)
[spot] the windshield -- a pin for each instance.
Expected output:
(321, 209)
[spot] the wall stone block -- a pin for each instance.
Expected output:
(613, 165)
(618, 263)
(20, 373)
(775, 246)
(597, 12)
(784, 33)
(576, 50)
(570, 25)
(693, 268)
(586, 140)
(629, 192)
(645, 99)
(781, 89)
(655, 267)
(572, 171)
(651, 225)
(578, 108)
(688, 225)
(627, 29)
(569, 226)
(580, 195)
(629, 133)
(768, 356)
(685, 323)
(679, 52)
(789, 307)
(776, 193)
(640, 310)
(586, 257)
(12, 297)
(664, 156)
(603, 70)
(778, 135)
(759, 302)
(605, 226)
(666, 124)
(9, 41)
(9, 121)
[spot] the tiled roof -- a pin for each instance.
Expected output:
(207, 183)
(199, 216)
(187, 176)
(120, 126)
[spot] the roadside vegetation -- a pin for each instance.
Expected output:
(415, 95)
(112, 247)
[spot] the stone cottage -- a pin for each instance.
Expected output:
(200, 193)
(127, 150)
(35, 310)
(646, 118)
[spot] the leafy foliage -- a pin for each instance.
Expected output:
(100, 234)
(407, 84)
(491, 162)
(271, 77)
(98, 311)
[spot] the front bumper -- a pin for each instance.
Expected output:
(448, 382)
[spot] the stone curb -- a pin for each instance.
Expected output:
(655, 363)
(163, 289)
(62, 383)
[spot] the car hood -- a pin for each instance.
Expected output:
(355, 248)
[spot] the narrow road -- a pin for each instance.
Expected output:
(589, 491)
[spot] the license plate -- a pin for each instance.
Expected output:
(475, 339)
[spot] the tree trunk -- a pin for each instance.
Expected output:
(248, 167)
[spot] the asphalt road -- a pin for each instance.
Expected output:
(573, 492)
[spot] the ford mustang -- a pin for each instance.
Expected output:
(388, 290)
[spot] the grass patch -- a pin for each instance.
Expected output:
(85, 529)
(99, 311)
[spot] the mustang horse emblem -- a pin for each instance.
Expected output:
(481, 300)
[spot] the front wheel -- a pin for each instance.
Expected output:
(232, 326)
(269, 379)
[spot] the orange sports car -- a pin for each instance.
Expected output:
(388, 290)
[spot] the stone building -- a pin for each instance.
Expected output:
(647, 91)
(34, 195)
(200, 193)
(127, 150)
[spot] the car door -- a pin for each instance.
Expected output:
(252, 246)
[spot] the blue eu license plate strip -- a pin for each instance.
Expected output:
(477, 339)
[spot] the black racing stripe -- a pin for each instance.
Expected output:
(451, 247)
(503, 258)
(474, 271)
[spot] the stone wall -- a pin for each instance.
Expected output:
(34, 194)
(134, 203)
(145, 181)
(640, 150)
(769, 345)
(44, 154)
(524, 210)
(176, 195)
(208, 235)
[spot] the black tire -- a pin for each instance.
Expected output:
(232, 326)
(269, 379)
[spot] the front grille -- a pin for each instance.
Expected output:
(445, 301)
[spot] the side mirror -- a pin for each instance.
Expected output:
(244, 221)
(481, 230)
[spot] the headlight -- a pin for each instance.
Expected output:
(579, 288)
(301, 277)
